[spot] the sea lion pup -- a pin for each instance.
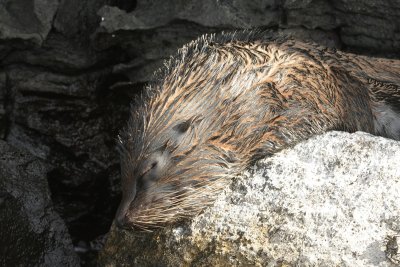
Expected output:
(225, 101)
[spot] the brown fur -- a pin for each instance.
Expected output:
(224, 102)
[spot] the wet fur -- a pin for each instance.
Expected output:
(226, 101)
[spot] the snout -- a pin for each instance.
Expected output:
(120, 217)
(120, 222)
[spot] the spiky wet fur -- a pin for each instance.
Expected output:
(244, 96)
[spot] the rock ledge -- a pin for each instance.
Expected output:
(329, 201)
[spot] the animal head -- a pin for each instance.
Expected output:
(198, 124)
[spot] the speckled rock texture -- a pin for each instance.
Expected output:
(330, 201)
(32, 233)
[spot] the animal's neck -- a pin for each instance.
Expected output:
(386, 120)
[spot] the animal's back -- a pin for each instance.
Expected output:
(225, 101)
(382, 78)
(363, 89)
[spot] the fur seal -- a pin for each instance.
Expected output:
(225, 101)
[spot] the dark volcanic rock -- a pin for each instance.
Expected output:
(28, 22)
(71, 122)
(32, 233)
(209, 13)
(3, 95)
(56, 102)
(371, 24)
(368, 25)
(78, 25)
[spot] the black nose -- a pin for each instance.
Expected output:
(120, 222)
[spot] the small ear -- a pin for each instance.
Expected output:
(182, 127)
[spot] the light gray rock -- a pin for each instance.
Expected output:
(330, 201)
(368, 24)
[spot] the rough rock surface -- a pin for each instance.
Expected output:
(3, 95)
(329, 201)
(28, 21)
(369, 24)
(32, 233)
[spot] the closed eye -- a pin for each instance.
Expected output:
(152, 166)
(182, 127)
